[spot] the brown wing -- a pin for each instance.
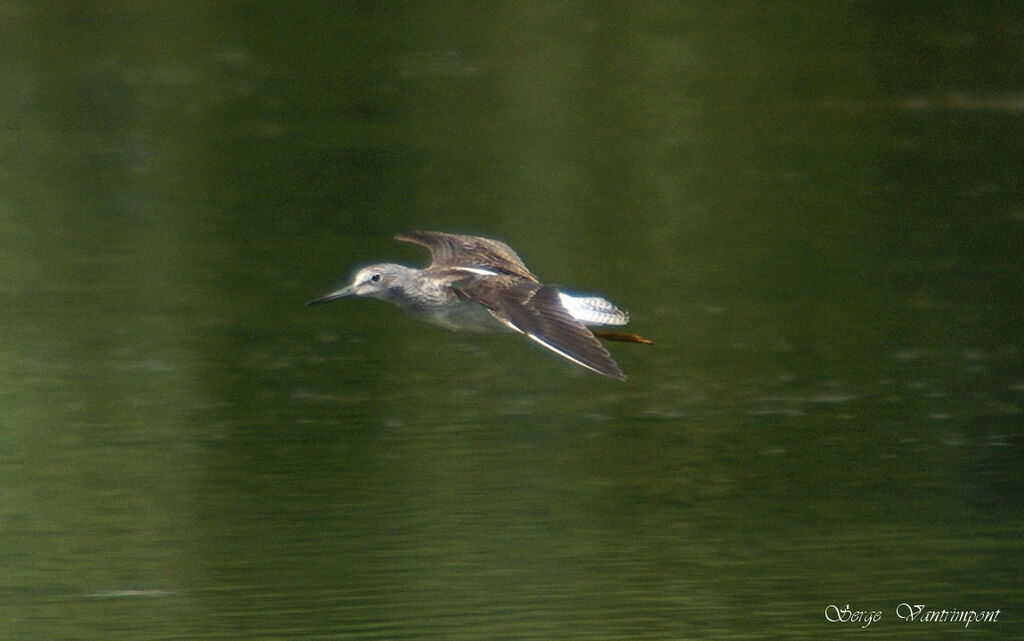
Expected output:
(537, 312)
(455, 250)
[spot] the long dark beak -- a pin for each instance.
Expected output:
(341, 293)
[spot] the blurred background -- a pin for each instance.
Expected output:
(814, 209)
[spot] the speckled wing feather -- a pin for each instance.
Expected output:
(537, 312)
(455, 250)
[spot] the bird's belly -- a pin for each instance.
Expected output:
(462, 316)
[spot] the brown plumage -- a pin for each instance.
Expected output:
(471, 279)
(456, 250)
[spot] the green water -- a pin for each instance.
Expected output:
(815, 210)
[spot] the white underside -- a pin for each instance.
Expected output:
(473, 317)
(470, 316)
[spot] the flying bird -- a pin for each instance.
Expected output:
(479, 284)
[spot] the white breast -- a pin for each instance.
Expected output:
(461, 316)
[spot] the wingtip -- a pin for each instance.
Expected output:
(615, 373)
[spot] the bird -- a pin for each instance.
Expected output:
(477, 284)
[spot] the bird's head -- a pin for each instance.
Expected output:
(375, 281)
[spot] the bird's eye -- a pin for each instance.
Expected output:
(375, 278)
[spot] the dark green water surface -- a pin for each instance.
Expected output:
(815, 210)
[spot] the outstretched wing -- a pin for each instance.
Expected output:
(537, 312)
(455, 250)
